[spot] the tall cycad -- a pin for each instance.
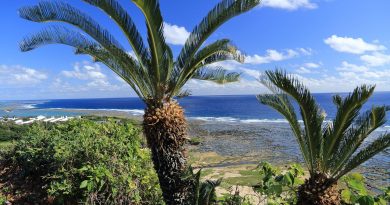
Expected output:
(151, 72)
(332, 149)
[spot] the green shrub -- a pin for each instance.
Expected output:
(10, 131)
(355, 192)
(234, 199)
(89, 162)
(279, 187)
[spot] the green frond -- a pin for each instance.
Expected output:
(219, 75)
(347, 111)
(63, 35)
(363, 126)
(113, 9)
(222, 12)
(312, 115)
(220, 50)
(281, 103)
(337, 100)
(223, 46)
(365, 154)
(57, 35)
(207, 194)
(162, 59)
(48, 11)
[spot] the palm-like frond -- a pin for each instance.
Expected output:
(222, 12)
(161, 54)
(312, 115)
(330, 148)
(362, 127)
(219, 75)
(280, 102)
(348, 110)
(220, 50)
(367, 153)
(203, 191)
(63, 35)
(125, 22)
(47, 11)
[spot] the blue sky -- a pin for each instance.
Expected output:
(331, 45)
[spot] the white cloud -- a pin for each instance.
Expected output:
(19, 75)
(289, 4)
(303, 70)
(274, 55)
(307, 68)
(305, 51)
(244, 86)
(92, 73)
(311, 65)
(345, 66)
(347, 81)
(376, 59)
(352, 45)
(175, 35)
(85, 71)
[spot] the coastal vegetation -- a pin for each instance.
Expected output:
(152, 72)
(333, 149)
(81, 161)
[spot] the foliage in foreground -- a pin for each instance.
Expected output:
(355, 192)
(10, 131)
(280, 187)
(87, 162)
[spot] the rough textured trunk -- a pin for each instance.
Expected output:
(318, 190)
(165, 129)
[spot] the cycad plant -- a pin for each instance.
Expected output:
(152, 72)
(331, 149)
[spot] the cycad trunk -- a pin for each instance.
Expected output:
(318, 190)
(165, 129)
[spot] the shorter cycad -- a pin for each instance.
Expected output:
(332, 149)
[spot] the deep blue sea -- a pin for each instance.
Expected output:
(243, 108)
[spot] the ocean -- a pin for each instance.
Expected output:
(244, 108)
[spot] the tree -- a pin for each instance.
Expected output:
(332, 149)
(151, 72)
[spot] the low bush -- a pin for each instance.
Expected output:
(10, 131)
(279, 187)
(355, 192)
(234, 198)
(87, 162)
